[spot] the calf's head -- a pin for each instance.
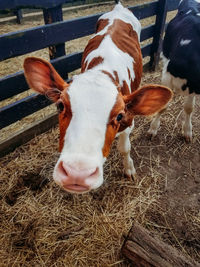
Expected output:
(91, 112)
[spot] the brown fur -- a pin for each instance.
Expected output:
(64, 118)
(92, 45)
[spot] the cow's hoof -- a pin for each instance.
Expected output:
(151, 134)
(188, 139)
(130, 174)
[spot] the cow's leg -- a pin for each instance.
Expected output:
(166, 80)
(188, 108)
(155, 124)
(124, 147)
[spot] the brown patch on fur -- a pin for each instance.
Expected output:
(126, 39)
(64, 118)
(92, 45)
(101, 24)
(125, 88)
(138, 68)
(113, 125)
(126, 121)
(113, 79)
(129, 73)
(94, 62)
(116, 77)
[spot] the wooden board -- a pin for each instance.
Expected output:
(12, 4)
(15, 83)
(27, 134)
(29, 40)
(144, 249)
(22, 108)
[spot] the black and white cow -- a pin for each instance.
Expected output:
(181, 60)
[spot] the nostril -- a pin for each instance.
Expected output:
(62, 169)
(69, 171)
(95, 172)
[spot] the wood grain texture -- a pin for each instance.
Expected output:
(144, 249)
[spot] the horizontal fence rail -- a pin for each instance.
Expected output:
(33, 103)
(13, 4)
(16, 83)
(30, 40)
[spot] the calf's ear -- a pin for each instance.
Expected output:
(43, 78)
(148, 100)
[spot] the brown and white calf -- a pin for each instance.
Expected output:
(99, 103)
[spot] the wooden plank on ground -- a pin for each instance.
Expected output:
(25, 135)
(144, 249)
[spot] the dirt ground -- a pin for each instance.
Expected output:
(41, 225)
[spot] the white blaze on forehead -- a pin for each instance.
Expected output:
(185, 42)
(114, 59)
(119, 12)
(92, 97)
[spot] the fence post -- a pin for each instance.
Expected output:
(52, 15)
(159, 30)
(18, 13)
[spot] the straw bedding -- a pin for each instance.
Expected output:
(42, 225)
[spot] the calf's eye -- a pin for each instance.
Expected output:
(119, 117)
(60, 106)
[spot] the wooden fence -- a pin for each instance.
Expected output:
(18, 7)
(54, 35)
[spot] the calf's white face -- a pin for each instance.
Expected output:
(79, 167)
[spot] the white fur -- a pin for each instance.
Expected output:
(119, 12)
(172, 82)
(189, 12)
(124, 147)
(188, 109)
(185, 42)
(92, 97)
(119, 63)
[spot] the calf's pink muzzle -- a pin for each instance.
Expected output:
(76, 178)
